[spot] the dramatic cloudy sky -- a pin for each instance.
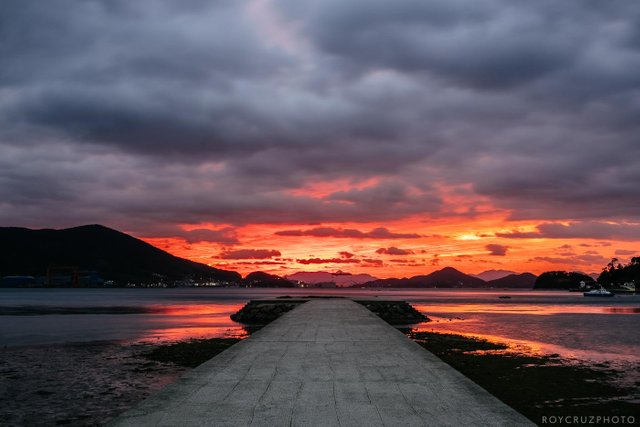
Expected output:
(393, 137)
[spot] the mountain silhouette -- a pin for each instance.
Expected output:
(113, 254)
(524, 281)
(340, 279)
(260, 279)
(448, 277)
(490, 275)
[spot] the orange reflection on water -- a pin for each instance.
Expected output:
(181, 322)
(623, 310)
(526, 346)
(530, 347)
(186, 333)
(506, 308)
(198, 309)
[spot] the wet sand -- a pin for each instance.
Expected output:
(86, 384)
(90, 383)
(77, 384)
(540, 386)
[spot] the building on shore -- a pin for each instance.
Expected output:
(21, 282)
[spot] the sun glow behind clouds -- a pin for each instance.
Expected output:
(440, 243)
(217, 125)
(468, 237)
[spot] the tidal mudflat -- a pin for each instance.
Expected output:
(537, 385)
(62, 363)
(88, 383)
(76, 384)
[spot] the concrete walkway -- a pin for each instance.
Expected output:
(326, 363)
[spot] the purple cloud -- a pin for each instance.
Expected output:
(143, 115)
(377, 233)
(345, 254)
(393, 251)
(249, 254)
(625, 252)
(580, 230)
(497, 250)
(328, 261)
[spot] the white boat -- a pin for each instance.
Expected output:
(600, 292)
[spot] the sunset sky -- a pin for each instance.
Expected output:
(388, 137)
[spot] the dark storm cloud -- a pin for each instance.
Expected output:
(150, 78)
(154, 113)
(486, 44)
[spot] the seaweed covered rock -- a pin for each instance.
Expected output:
(263, 312)
(395, 312)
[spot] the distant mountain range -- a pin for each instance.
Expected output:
(494, 274)
(524, 281)
(118, 256)
(449, 277)
(446, 278)
(340, 279)
(112, 254)
(260, 279)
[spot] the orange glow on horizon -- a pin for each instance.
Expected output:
(456, 242)
(469, 234)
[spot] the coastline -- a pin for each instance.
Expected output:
(541, 387)
(89, 383)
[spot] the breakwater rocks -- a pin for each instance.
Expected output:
(395, 312)
(261, 312)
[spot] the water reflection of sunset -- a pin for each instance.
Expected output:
(531, 347)
(179, 322)
(541, 310)
(198, 309)
(195, 332)
(526, 346)
(584, 330)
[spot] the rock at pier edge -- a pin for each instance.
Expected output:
(262, 312)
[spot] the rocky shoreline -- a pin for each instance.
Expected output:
(262, 312)
(395, 312)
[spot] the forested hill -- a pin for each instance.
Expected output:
(112, 254)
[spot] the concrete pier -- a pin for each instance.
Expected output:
(329, 362)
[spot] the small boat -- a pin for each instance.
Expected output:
(601, 292)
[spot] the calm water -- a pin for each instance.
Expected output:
(546, 322)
